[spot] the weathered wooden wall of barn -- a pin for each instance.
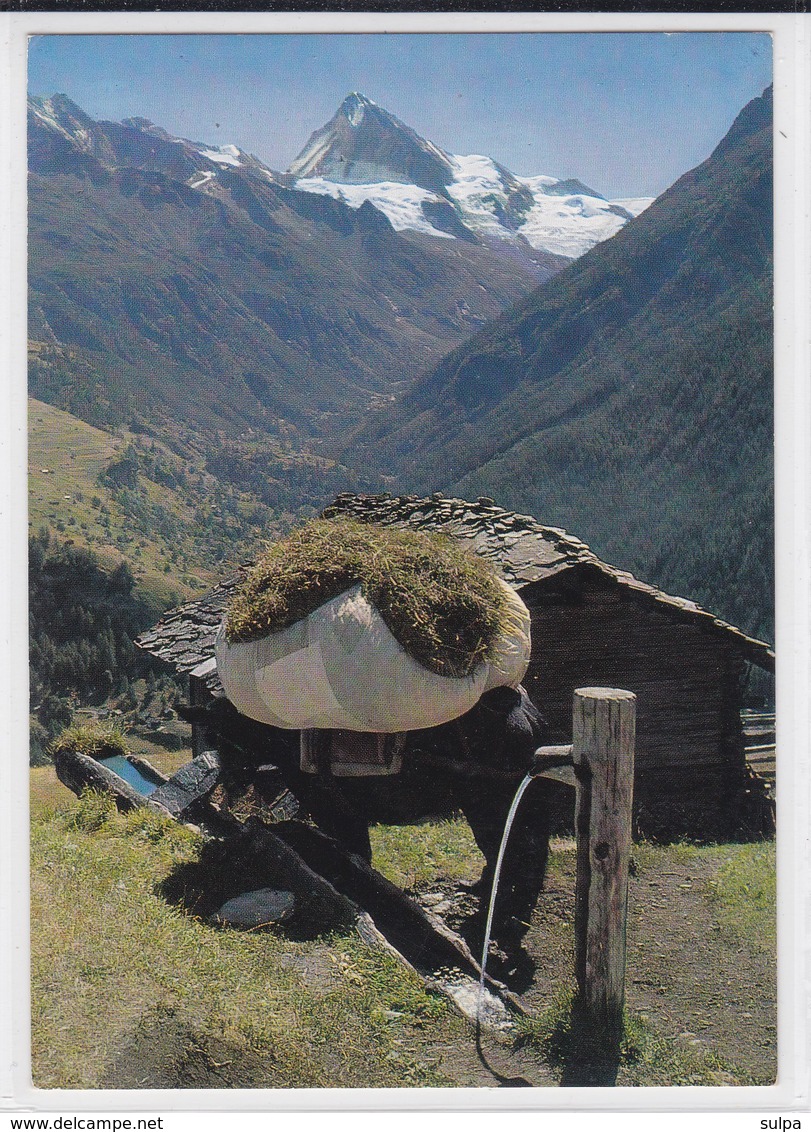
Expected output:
(689, 754)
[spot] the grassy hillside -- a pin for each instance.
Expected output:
(69, 493)
(187, 1004)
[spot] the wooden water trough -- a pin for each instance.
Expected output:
(330, 882)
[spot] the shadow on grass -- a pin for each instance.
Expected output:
(225, 869)
(590, 1054)
(586, 1053)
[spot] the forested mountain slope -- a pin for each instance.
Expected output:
(629, 399)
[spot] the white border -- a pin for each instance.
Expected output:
(792, 76)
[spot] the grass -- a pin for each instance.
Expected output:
(743, 888)
(417, 856)
(744, 893)
(646, 1057)
(47, 794)
(107, 951)
(94, 739)
(445, 606)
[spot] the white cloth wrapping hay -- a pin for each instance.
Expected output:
(341, 667)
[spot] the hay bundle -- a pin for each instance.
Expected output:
(367, 628)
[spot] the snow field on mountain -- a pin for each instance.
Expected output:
(634, 205)
(569, 226)
(223, 155)
(200, 179)
(566, 225)
(488, 199)
(401, 204)
(476, 185)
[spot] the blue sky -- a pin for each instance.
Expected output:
(625, 112)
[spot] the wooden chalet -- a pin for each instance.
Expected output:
(592, 625)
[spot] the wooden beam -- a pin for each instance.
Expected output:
(554, 763)
(603, 752)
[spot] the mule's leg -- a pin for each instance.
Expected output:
(486, 812)
(522, 873)
(325, 802)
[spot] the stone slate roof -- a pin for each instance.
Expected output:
(523, 550)
(184, 637)
(520, 548)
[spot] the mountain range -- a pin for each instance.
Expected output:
(290, 334)
(364, 153)
(168, 267)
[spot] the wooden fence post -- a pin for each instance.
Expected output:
(603, 754)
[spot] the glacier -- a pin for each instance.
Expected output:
(481, 193)
(400, 204)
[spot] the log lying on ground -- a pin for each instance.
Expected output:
(428, 943)
(330, 885)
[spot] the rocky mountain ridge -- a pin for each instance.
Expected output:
(366, 154)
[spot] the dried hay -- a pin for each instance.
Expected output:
(443, 605)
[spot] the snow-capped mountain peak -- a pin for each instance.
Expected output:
(364, 144)
(354, 106)
(364, 153)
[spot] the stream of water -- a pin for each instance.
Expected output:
(494, 892)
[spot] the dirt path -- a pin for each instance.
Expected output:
(695, 985)
(691, 977)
